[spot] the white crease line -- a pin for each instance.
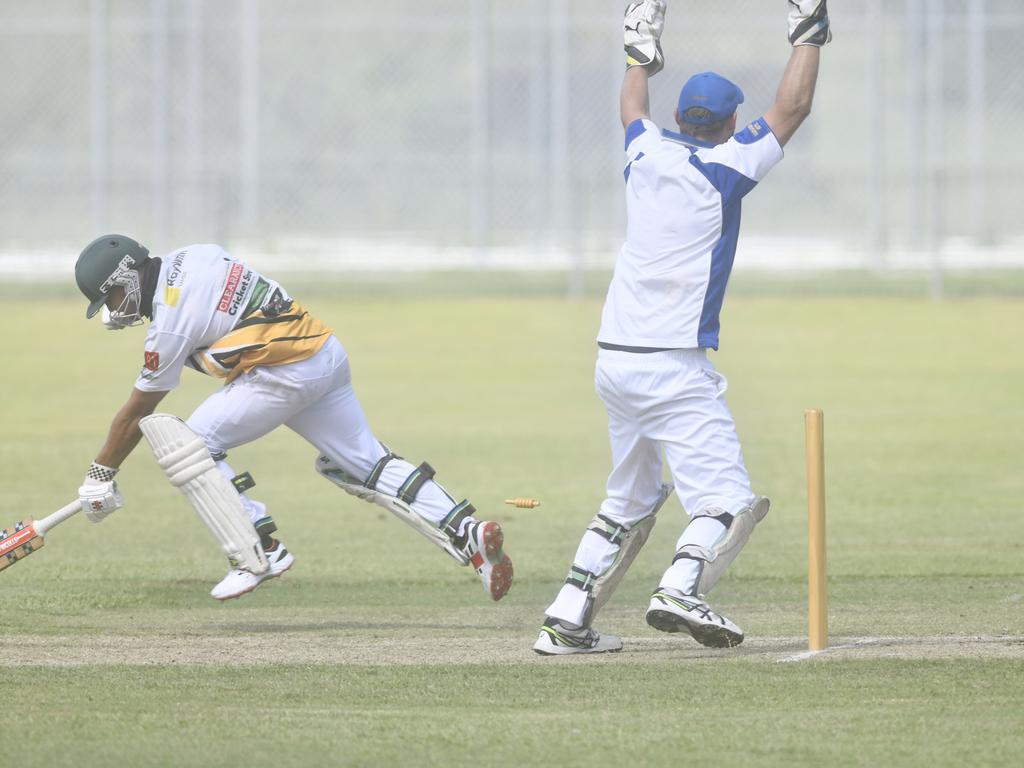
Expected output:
(846, 646)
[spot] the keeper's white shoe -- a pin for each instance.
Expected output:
(483, 545)
(239, 581)
(672, 611)
(557, 640)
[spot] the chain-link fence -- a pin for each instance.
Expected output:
(486, 132)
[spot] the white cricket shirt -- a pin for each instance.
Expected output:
(683, 218)
(213, 313)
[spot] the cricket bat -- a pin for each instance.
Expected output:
(27, 536)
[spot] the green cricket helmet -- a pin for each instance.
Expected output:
(109, 261)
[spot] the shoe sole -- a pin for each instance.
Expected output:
(706, 634)
(270, 575)
(237, 594)
(501, 564)
(573, 651)
(274, 574)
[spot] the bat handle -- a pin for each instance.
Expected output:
(58, 517)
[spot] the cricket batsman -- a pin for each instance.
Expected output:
(664, 398)
(279, 365)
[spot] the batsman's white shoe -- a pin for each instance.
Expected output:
(484, 541)
(672, 611)
(239, 581)
(557, 640)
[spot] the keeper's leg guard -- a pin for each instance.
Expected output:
(697, 568)
(185, 460)
(609, 549)
(400, 504)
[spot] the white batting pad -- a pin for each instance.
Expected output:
(185, 460)
(397, 507)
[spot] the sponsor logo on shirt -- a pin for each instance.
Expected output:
(175, 278)
(175, 275)
(259, 293)
(243, 288)
(234, 276)
(277, 304)
(152, 360)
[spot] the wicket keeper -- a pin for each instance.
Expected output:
(664, 398)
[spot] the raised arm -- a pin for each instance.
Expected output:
(808, 31)
(796, 93)
(642, 27)
(634, 102)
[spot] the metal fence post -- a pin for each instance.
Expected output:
(538, 126)
(935, 142)
(480, 185)
(249, 118)
(99, 139)
(558, 143)
(977, 106)
(874, 32)
(616, 136)
(193, 219)
(160, 94)
(915, 148)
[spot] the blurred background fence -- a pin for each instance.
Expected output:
(484, 133)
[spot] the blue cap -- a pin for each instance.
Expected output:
(708, 98)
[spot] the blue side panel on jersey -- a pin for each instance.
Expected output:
(729, 182)
(722, 257)
(633, 130)
(756, 131)
(629, 165)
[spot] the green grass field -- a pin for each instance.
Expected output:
(377, 650)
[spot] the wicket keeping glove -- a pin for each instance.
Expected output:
(642, 27)
(808, 23)
(99, 495)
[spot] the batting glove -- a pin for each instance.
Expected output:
(808, 23)
(99, 495)
(642, 27)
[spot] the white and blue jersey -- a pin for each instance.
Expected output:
(683, 217)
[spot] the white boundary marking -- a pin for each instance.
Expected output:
(845, 646)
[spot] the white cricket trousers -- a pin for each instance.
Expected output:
(314, 398)
(669, 404)
(661, 404)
